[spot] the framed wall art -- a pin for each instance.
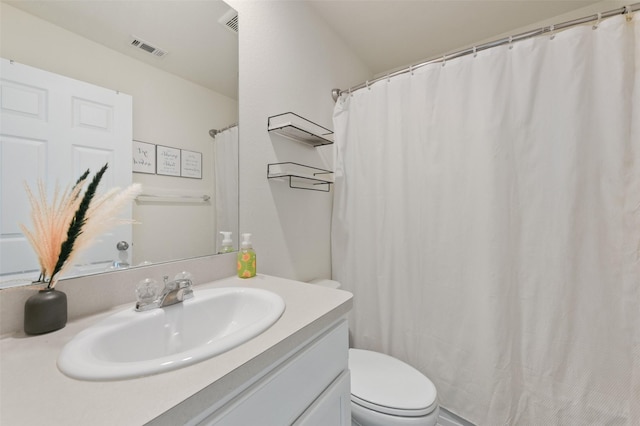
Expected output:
(144, 157)
(168, 161)
(191, 164)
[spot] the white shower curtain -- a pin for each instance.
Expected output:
(487, 220)
(225, 154)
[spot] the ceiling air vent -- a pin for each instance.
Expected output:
(230, 20)
(137, 42)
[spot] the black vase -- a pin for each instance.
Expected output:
(45, 311)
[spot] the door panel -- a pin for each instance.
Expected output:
(55, 128)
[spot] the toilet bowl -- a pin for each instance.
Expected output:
(386, 391)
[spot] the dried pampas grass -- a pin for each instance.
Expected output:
(71, 222)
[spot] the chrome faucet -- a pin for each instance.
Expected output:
(176, 291)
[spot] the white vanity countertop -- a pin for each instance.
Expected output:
(34, 392)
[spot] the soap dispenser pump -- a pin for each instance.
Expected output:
(246, 258)
(227, 243)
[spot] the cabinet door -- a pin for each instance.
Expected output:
(282, 396)
(333, 407)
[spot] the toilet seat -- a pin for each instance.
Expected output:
(387, 385)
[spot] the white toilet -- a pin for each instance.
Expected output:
(386, 391)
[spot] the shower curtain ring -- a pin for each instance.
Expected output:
(367, 84)
(475, 51)
(411, 69)
(627, 13)
(510, 42)
(444, 60)
(595, 26)
(552, 29)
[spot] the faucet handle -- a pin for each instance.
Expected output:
(148, 291)
(183, 279)
(184, 275)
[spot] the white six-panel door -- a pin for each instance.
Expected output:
(54, 127)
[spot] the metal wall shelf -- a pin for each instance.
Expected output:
(293, 126)
(301, 176)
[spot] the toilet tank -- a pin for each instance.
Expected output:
(325, 283)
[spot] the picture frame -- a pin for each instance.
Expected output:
(191, 164)
(168, 161)
(144, 157)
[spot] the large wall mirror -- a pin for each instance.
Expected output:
(177, 61)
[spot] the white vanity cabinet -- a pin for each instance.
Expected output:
(294, 373)
(309, 386)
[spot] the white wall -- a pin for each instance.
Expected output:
(167, 110)
(289, 61)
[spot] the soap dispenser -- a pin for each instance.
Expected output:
(227, 244)
(246, 258)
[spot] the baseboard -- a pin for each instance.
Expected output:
(447, 418)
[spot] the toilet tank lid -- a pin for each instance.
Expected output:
(388, 385)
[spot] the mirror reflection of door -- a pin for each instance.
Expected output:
(54, 128)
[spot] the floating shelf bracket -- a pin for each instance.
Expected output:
(293, 126)
(301, 176)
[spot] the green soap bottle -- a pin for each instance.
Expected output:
(227, 244)
(246, 258)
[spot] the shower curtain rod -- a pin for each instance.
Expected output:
(214, 132)
(336, 93)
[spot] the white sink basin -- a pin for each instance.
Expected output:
(132, 344)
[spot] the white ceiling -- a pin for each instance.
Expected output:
(200, 49)
(389, 34)
(384, 34)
